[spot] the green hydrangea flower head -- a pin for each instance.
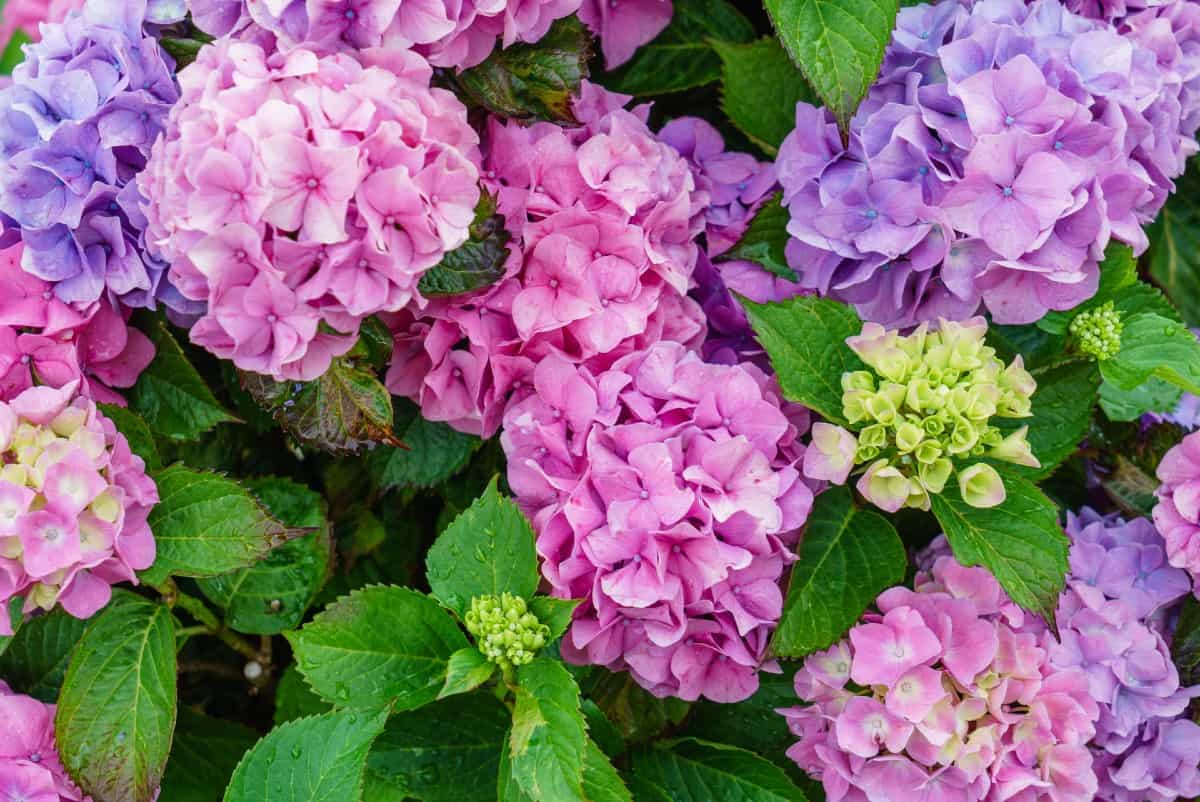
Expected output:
(1097, 332)
(924, 413)
(505, 631)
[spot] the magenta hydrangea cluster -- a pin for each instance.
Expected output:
(76, 127)
(295, 195)
(1115, 620)
(1003, 146)
(30, 770)
(48, 342)
(1177, 514)
(449, 33)
(665, 493)
(73, 504)
(604, 218)
(946, 694)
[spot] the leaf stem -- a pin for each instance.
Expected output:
(174, 597)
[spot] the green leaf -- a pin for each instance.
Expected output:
(1185, 648)
(294, 699)
(1118, 271)
(847, 557)
(838, 44)
(466, 671)
(752, 724)
(137, 433)
(273, 594)
(548, 733)
(170, 395)
(601, 782)
(207, 525)
(13, 610)
(1062, 410)
(1131, 488)
(635, 714)
(690, 770)
(765, 240)
(489, 549)
(681, 57)
(1175, 245)
(1155, 395)
(116, 711)
(554, 613)
(763, 110)
(432, 452)
(1019, 541)
(448, 751)
(183, 51)
(205, 753)
(477, 263)
(378, 646)
(533, 81)
(1152, 345)
(806, 340)
(37, 656)
(343, 412)
(13, 54)
(317, 759)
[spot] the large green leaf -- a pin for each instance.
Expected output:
(691, 770)
(1185, 648)
(681, 57)
(204, 755)
(806, 340)
(466, 671)
(763, 108)
(1062, 410)
(1019, 541)
(318, 759)
(36, 659)
(548, 733)
(631, 710)
(448, 751)
(294, 699)
(488, 550)
(1158, 347)
(847, 557)
(378, 646)
(752, 724)
(431, 453)
(838, 44)
(206, 525)
(273, 594)
(765, 240)
(116, 711)
(601, 782)
(1175, 245)
(170, 394)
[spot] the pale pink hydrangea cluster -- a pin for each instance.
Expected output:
(30, 770)
(666, 493)
(1177, 514)
(449, 33)
(298, 194)
(48, 342)
(604, 218)
(73, 504)
(947, 694)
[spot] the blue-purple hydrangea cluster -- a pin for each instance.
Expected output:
(1003, 146)
(1115, 620)
(76, 126)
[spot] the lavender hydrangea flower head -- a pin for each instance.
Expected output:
(76, 127)
(1003, 146)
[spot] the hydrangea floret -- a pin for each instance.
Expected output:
(506, 631)
(74, 503)
(30, 768)
(923, 414)
(1177, 514)
(1097, 332)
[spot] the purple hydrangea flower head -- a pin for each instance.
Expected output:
(1003, 146)
(79, 120)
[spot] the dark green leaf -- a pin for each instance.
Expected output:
(206, 525)
(760, 87)
(317, 759)
(137, 433)
(204, 755)
(1175, 245)
(601, 782)
(1130, 488)
(477, 263)
(377, 646)
(548, 733)
(431, 453)
(691, 770)
(466, 671)
(1185, 647)
(170, 395)
(488, 550)
(1152, 345)
(1062, 410)
(13, 53)
(116, 711)
(184, 51)
(752, 724)
(1019, 541)
(37, 657)
(1154, 395)
(294, 699)
(631, 709)
(838, 44)
(847, 557)
(554, 613)
(806, 340)
(533, 81)
(681, 57)
(765, 240)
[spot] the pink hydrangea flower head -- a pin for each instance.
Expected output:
(30, 768)
(73, 504)
(1177, 514)
(624, 25)
(296, 194)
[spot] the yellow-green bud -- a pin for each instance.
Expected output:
(1097, 332)
(505, 631)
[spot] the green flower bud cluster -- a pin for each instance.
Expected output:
(924, 411)
(504, 629)
(1098, 332)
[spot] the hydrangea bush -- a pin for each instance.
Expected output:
(599, 401)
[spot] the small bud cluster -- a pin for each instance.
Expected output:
(1097, 332)
(923, 413)
(507, 633)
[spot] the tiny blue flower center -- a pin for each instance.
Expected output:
(1007, 192)
(872, 214)
(923, 170)
(1009, 120)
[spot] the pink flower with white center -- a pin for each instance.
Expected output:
(865, 726)
(885, 651)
